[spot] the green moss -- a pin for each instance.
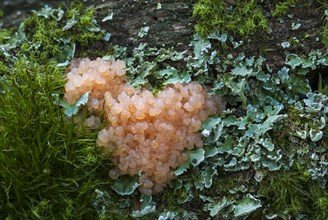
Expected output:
(293, 193)
(171, 196)
(224, 184)
(44, 33)
(50, 167)
(86, 18)
(4, 35)
(241, 18)
(322, 86)
(282, 7)
(3, 68)
(44, 161)
(49, 39)
(325, 35)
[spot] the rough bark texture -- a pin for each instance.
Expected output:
(308, 14)
(171, 25)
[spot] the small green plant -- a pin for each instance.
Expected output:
(292, 192)
(49, 165)
(286, 192)
(241, 17)
(322, 86)
(54, 33)
(47, 168)
(282, 7)
(325, 27)
(5, 34)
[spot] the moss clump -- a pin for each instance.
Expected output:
(323, 85)
(48, 169)
(282, 7)
(325, 34)
(3, 68)
(241, 18)
(293, 193)
(5, 34)
(49, 166)
(53, 36)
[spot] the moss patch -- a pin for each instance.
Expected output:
(47, 169)
(52, 34)
(49, 165)
(241, 18)
(292, 192)
(282, 7)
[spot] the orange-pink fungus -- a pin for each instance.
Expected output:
(146, 133)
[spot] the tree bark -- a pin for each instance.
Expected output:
(170, 22)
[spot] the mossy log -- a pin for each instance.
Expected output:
(170, 22)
